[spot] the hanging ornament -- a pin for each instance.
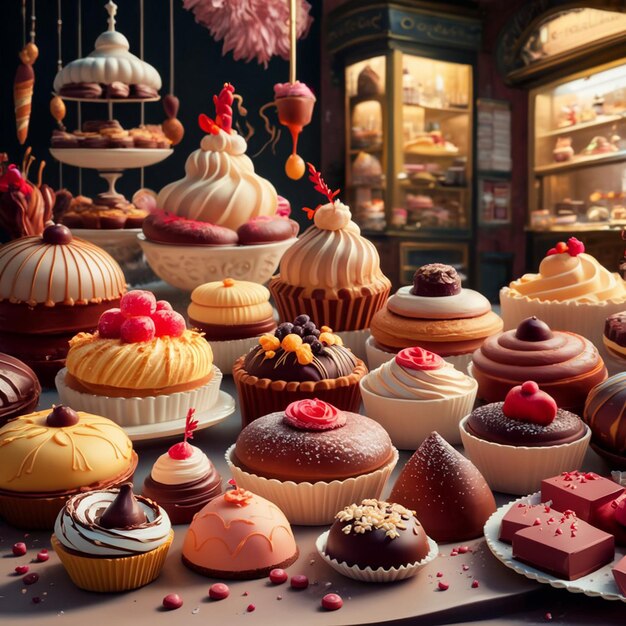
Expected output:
(57, 106)
(172, 127)
(24, 83)
(251, 29)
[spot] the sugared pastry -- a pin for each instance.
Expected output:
(416, 392)
(436, 314)
(377, 534)
(164, 227)
(109, 63)
(19, 388)
(331, 273)
(220, 185)
(52, 287)
(267, 229)
(619, 574)
(614, 337)
(571, 292)
(568, 548)
(563, 364)
(311, 459)
(298, 361)
(231, 314)
(522, 515)
(183, 479)
(448, 494)
(112, 540)
(605, 414)
(51, 455)
(611, 518)
(526, 438)
(142, 364)
(581, 492)
(239, 535)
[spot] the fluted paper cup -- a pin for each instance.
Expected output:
(115, 574)
(356, 340)
(520, 469)
(313, 504)
(141, 411)
(225, 353)
(380, 574)
(409, 422)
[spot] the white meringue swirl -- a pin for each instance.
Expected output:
(169, 471)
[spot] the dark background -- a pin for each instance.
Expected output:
(200, 72)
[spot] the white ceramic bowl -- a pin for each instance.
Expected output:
(187, 267)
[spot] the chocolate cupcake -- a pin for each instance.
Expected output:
(614, 337)
(297, 361)
(563, 364)
(526, 438)
(19, 388)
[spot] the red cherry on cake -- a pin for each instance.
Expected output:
(533, 329)
(137, 329)
(575, 247)
(57, 235)
(168, 323)
(110, 323)
(138, 302)
(527, 403)
(62, 417)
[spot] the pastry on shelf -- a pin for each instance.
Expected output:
(366, 138)
(599, 145)
(110, 71)
(569, 116)
(563, 150)
(431, 144)
(366, 170)
(368, 83)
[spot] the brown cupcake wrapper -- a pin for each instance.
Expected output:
(350, 313)
(118, 574)
(261, 396)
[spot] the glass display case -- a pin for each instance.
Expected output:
(579, 151)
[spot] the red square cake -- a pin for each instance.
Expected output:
(522, 515)
(569, 548)
(619, 573)
(581, 492)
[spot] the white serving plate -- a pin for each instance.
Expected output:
(111, 159)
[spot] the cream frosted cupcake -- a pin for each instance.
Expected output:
(571, 292)
(415, 393)
(332, 273)
(111, 540)
(231, 314)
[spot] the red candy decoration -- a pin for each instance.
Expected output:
(168, 323)
(19, 549)
(30, 579)
(278, 576)
(250, 608)
(299, 581)
(43, 556)
(110, 323)
(20, 570)
(332, 602)
(172, 601)
(573, 247)
(528, 403)
(138, 302)
(313, 414)
(419, 359)
(183, 450)
(443, 586)
(219, 591)
(137, 329)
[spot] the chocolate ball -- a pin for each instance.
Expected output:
(436, 280)
(615, 328)
(533, 329)
(62, 416)
(57, 235)
(604, 414)
(19, 388)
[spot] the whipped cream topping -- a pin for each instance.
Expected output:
(391, 380)
(169, 471)
(335, 216)
(467, 303)
(77, 527)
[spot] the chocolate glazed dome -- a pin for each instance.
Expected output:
(19, 388)
(563, 364)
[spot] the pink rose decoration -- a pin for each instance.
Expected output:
(313, 415)
(419, 359)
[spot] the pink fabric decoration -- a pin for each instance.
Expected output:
(251, 28)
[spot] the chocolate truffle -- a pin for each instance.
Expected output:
(167, 228)
(124, 511)
(19, 388)
(376, 534)
(606, 415)
(448, 494)
(436, 280)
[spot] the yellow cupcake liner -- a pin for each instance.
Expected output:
(115, 574)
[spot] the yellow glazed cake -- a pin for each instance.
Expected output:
(50, 455)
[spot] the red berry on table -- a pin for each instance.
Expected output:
(250, 608)
(168, 323)
(163, 305)
(30, 579)
(138, 302)
(443, 586)
(110, 323)
(20, 570)
(137, 329)
(172, 601)
(332, 602)
(43, 555)
(219, 591)
(19, 549)
(299, 581)
(278, 576)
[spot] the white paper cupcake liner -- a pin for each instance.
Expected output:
(586, 319)
(356, 340)
(313, 504)
(409, 422)
(520, 469)
(376, 357)
(141, 411)
(225, 353)
(380, 574)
